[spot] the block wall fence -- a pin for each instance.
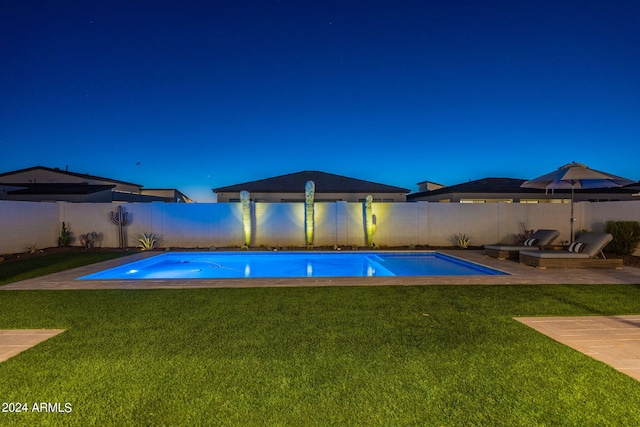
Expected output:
(202, 225)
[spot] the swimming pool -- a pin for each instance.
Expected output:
(237, 265)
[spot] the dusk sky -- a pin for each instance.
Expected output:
(198, 95)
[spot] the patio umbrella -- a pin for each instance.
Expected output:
(576, 175)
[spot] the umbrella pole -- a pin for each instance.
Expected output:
(572, 219)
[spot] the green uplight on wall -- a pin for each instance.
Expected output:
(309, 190)
(245, 200)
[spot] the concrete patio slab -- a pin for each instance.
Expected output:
(14, 341)
(518, 274)
(614, 340)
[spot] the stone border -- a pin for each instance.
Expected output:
(518, 275)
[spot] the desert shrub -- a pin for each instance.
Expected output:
(88, 240)
(66, 238)
(626, 236)
(524, 233)
(148, 241)
(461, 240)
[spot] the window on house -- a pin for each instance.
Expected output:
(377, 200)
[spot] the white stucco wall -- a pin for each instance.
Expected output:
(398, 222)
(23, 224)
(202, 225)
(205, 225)
(554, 216)
(325, 217)
(82, 218)
(279, 224)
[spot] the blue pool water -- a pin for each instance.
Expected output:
(235, 265)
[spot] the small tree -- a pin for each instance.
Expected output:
(626, 236)
(65, 238)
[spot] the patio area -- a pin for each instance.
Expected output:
(518, 275)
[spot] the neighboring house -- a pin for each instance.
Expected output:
(42, 184)
(329, 187)
(509, 190)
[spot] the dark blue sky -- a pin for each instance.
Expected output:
(208, 94)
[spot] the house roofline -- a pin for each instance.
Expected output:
(383, 188)
(66, 172)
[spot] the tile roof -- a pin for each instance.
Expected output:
(325, 183)
(60, 171)
(506, 186)
(62, 188)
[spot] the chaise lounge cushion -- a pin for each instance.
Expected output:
(556, 254)
(543, 237)
(512, 248)
(593, 244)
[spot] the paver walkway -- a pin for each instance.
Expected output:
(614, 340)
(14, 341)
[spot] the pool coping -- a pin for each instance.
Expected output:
(518, 274)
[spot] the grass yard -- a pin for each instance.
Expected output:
(384, 356)
(40, 265)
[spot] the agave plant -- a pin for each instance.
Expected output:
(148, 241)
(462, 240)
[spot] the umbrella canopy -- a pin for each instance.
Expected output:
(576, 175)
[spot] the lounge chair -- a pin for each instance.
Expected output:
(583, 252)
(537, 239)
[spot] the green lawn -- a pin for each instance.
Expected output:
(30, 267)
(379, 356)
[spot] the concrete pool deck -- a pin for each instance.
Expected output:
(518, 275)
